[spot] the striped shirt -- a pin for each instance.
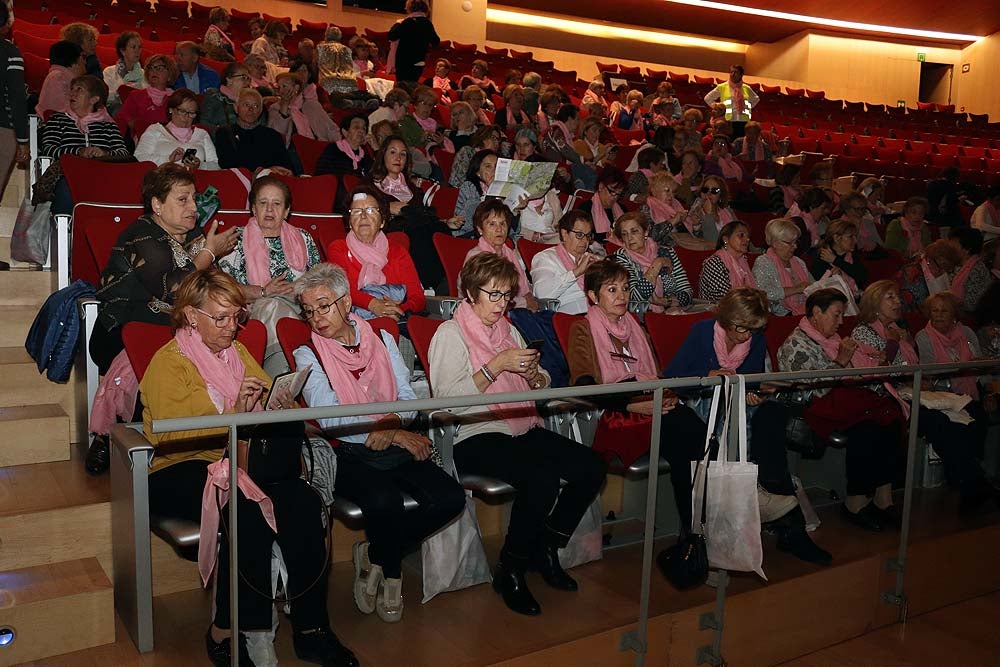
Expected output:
(13, 109)
(61, 135)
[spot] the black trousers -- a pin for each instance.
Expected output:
(958, 445)
(872, 456)
(105, 346)
(176, 491)
(391, 530)
(534, 463)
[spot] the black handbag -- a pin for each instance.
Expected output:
(274, 453)
(685, 564)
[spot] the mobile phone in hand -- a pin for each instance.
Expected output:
(189, 154)
(536, 344)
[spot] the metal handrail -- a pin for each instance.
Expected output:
(637, 641)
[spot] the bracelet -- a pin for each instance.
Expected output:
(262, 293)
(205, 249)
(487, 374)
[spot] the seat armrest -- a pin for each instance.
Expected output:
(443, 425)
(442, 307)
(132, 445)
(548, 304)
(88, 314)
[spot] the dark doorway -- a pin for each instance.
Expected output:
(935, 82)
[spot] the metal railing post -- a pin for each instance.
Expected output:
(234, 561)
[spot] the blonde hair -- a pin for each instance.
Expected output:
(872, 299)
(743, 307)
(663, 177)
(201, 286)
(781, 229)
(947, 297)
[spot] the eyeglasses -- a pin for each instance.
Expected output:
(309, 313)
(498, 296)
(158, 68)
(185, 113)
(239, 318)
(614, 193)
(581, 235)
(711, 191)
(744, 330)
(367, 210)
(240, 76)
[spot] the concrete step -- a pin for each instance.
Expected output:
(15, 321)
(5, 256)
(16, 188)
(23, 385)
(57, 608)
(25, 287)
(34, 434)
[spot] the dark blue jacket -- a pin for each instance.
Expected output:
(697, 355)
(207, 78)
(55, 333)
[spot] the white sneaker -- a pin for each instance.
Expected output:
(390, 600)
(773, 506)
(366, 579)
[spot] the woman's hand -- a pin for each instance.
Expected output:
(221, 244)
(192, 163)
(656, 267)
(385, 308)
(278, 286)
(92, 152)
(895, 332)
(455, 222)
(582, 264)
(826, 255)
(643, 404)
(396, 206)
(846, 351)
(718, 372)
(531, 303)
(414, 443)
(250, 390)
(522, 203)
(284, 400)
(281, 171)
(515, 360)
(754, 399)
(176, 155)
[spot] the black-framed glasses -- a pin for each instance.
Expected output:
(580, 236)
(496, 296)
(185, 112)
(711, 191)
(367, 210)
(744, 330)
(239, 318)
(309, 313)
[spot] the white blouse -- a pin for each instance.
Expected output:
(156, 144)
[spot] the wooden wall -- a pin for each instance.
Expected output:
(977, 89)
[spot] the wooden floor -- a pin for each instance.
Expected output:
(472, 628)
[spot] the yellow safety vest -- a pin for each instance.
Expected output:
(726, 95)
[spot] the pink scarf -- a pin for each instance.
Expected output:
(483, 344)
(602, 225)
(569, 263)
(958, 282)
(223, 35)
(362, 65)
(182, 134)
(115, 395)
(229, 92)
(796, 303)
(396, 188)
(258, 255)
(567, 136)
(663, 211)
(831, 345)
(866, 356)
(512, 120)
(758, 151)
(299, 119)
(729, 359)
(218, 478)
(905, 347)
(157, 96)
(914, 243)
(223, 373)
(644, 259)
(523, 286)
(442, 83)
(83, 123)
(361, 373)
(730, 170)
(630, 334)
(812, 226)
(427, 124)
(373, 257)
(347, 149)
(952, 347)
(739, 269)
(790, 193)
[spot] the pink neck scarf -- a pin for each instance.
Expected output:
(299, 119)
(602, 225)
(258, 255)
(373, 257)
(730, 170)
(630, 335)
(934, 283)
(347, 149)
(83, 123)
(182, 134)
(484, 343)
(914, 243)
(790, 193)
(739, 269)
(905, 347)
(157, 96)
(758, 151)
(729, 359)
(567, 136)
(569, 263)
(229, 92)
(790, 277)
(217, 484)
(519, 119)
(374, 382)
(663, 211)
(831, 345)
(812, 226)
(958, 282)
(396, 187)
(442, 83)
(523, 286)
(427, 124)
(866, 356)
(223, 373)
(223, 35)
(952, 347)
(646, 256)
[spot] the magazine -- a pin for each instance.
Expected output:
(293, 381)
(516, 178)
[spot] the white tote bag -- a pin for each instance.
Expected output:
(587, 542)
(732, 522)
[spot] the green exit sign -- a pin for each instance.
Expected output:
(921, 56)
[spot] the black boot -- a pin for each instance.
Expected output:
(793, 539)
(508, 581)
(546, 563)
(98, 456)
(322, 647)
(220, 653)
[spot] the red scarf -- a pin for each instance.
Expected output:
(484, 343)
(361, 373)
(630, 334)
(258, 255)
(952, 347)
(798, 273)
(958, 282)
(739, 269)
(569, 263)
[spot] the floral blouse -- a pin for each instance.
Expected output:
(235, 263)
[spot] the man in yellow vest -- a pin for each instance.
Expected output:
(738, 98)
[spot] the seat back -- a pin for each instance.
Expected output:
(422, 330)
(143, 340)
(562, 323)
(311, 195)
(778, 329)
(528, 249)
(233, 192)
(309, 151)
(443, 201)
(104, 182)
(668, 332)
(452, 252)
(692, 261)
(95, 230)
(325, 228)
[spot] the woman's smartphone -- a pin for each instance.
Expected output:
(536, 344)
(189, 154)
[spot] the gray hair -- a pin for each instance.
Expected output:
(333, 34)
(780, 229)
(531, 79)
(326, 275)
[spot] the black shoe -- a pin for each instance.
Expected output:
(221, 653)
(322, 647)
(888, 517)
(508, 581)
(98, 456)
(863, 518)
(546, 563)
(980, 493)
(4, 266)
(796, 541)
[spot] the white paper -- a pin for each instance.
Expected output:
(293, 381)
